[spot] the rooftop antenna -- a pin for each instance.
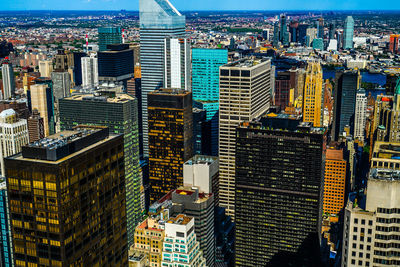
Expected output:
(123, 36)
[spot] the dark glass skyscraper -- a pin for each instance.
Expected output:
(279, 185)
(302, 32)
(109, 35)
(346, 85)
(67, 200)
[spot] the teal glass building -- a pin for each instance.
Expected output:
(109, 35)
(348, 33)
(205, 86)
(119, 113)
(318, 43)
(6, 257)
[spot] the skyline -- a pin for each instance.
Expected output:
(206, 5)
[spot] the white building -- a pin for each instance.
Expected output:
(45, 68)
(90, 75)
(180, 247)
(177, 63)
(13, 135)
(201, 171)
(333, 45)
(371, 233)
(8, 80)
(360, 115)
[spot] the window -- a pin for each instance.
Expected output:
(355, 220)
(355, 229)
(363, 221)
(180, 234)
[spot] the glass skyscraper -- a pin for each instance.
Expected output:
(109, 35)
(6, 240)
(158, 20)
(205, 86)
(348, 33)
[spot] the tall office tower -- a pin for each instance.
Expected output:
(318, 43)
(8, 78)
(41, 98)
(335, 180)
(279, 189)
(158, 20)
(109, 36)
(360, 115)
(294, 34)
(284, 82)
(265, 34)
(369, 234)
(61, 61)
(191, 201)
(311, 35)
(170, 139)
(13, 135)
(346, 85)
(313, 95)
(201, 132)
(116, 64)
(392, 79)
(119, 113)
(205, 86)
(18, 105)
(35, 126)
(75, 180)
(61, 88)
(320, 28)
(179, 232)
(90, 75)
(275, 41)
(394, 43)
(177, 64)
(45, 68)
(284, 35)
(245, 88)
(302, 32)
(77, 68)
(348, 33)
(6, 248)
(332, 30)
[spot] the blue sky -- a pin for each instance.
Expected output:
(203, 4)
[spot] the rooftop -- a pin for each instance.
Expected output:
(246, 62)
(201, 159)
(169, 91)
(180, 219)
(384, 174)
(96, 97)
(385, 150)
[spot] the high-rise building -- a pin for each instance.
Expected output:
(284, 34)
(6, 248)
(320, 28)
(35, 126)
(394, 43)
(76, 209)
(311, 34)
(8, 78)
(386, 155)
(170, 139)
(332, 30)
(115, 65)
(370, 225)
(18, 105)
(158, 20)
(335, 180)
(45, 68)
(293, 29)
(348, 33)
(191, 201)
(205, 86)
(245, 91)
(179, 232)
(109, 36)
(302, 33)
(275, 41)
(41, 98)
(313, 95)
(178, 63)
(201, 132)
(346, 85)
(13, 135)
(279, 190)
(61, 61)
(119, 113)
(360, 116)
(318, 43)
(284, 82)
(61, 88)
(77, 69)
(90, 75)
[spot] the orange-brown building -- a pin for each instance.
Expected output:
(335, 180)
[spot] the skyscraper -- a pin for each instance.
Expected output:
(178, 63)
(13, 135)
(119, 113)
(320, 28)
(90, 75)
(332, 30)
(279, 189)
(346, 86)
(35, 126)
(360, 115)
(170, 139)
(158, 20)
(302, 31)
(7, 72)
(75, 211)
(45, 68)
(205, 86)
(284, 34)
(61, 89)
(77, 56)
(41, 98)
(348, 33)
(108, 36)
(6, 247)
(313, 95)
(394, 43)
(245, 88)
(275, 41)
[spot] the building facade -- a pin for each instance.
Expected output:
(35, 126)
(360, 116)
(177, 66)
(348, 33)
(8, 78)
(108, 36)
(90, 75)
(41, 98)
(313, 95)
(6, 252)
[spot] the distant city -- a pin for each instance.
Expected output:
(163, 138)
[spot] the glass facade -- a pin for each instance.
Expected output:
(5, 237)
(109, 35)
(158, 20)
(348, 33)
(120, 115)
(205, 85)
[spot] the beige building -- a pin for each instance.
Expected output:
(45, 68)
(244, 94)
(39, 102)
(313, 95)
(386, 155)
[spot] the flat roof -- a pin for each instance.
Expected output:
(180, 219)
(201, 159)
(246, 62)
(119, 98)
(169, 91)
